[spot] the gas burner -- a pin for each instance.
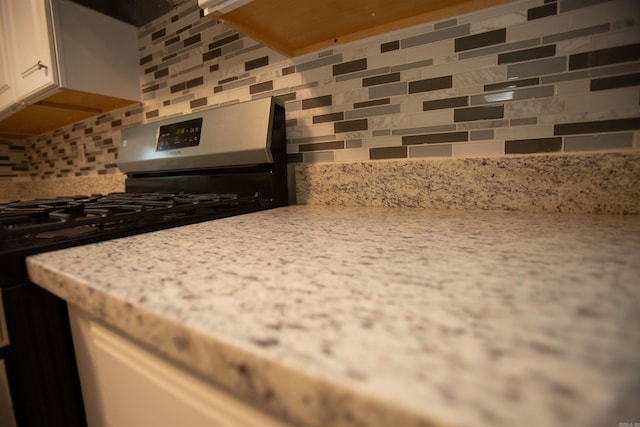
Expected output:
(68, 218)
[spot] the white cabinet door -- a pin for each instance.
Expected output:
(125, 385)
(7, 98)
(30, 44)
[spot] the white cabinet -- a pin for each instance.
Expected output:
(7, 97)
(124, 385)
(30, 47)
(64, 63)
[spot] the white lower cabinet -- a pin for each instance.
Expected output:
(125, 385)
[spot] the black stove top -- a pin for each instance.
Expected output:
(67, 221)
(207, 165)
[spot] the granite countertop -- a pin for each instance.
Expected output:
(372, 316)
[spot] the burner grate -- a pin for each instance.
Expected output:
(66, 217)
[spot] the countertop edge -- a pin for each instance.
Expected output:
(242, 371)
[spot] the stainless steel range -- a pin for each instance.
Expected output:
(203, 166)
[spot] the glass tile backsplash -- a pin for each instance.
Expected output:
(525, 77)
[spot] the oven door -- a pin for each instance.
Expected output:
(39, 360)
(7, 416)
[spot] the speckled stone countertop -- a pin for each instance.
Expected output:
(352, 316)
(578, 183)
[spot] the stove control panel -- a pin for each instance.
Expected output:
(179, 135)
(232, 135)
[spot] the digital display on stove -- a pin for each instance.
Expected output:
(179, 135)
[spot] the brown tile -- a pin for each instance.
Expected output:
(438, 104)
(294, 158)
(388, 47)
(481, 40)
(223, 41)
(615, 82)
(161, 73)
(158, 34)
(478, 113)
(436, 83)
(191, 40)
(322, 146)
(362, 74)
(261, 87)
(499, 48)
(601, 57)
(524, 121)
(388, 153)
(227, 80)
(542, 11)
(215, 53)
(379, 80)
(287, 97)
(171, 41)
(185, 28)
(351, 126)
(350, 67)
(435, 138)
(151, 88)
(527, 54)
(168, 57)
(198, 102)
(256, 63)
(198, 81)
(536, 145)
(324, 118)
(383, 101)
(320, 101)
(598, 126)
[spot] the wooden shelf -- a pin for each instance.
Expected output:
(60, 109)
(296, 27)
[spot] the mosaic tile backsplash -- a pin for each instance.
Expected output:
(526, 77)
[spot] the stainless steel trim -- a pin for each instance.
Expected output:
(4, 334)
